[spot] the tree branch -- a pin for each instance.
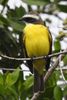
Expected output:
(36, 95)
(13, 69)
(34, 58)
(51, 69)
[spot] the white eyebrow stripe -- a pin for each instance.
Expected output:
(31, 16)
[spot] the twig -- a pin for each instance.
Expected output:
(52, 68)
(36, 95)
(63, 68)
(62, 71)
(34, 58)
(12, 69)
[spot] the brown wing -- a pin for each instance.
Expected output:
(28, 63)
(50, 51)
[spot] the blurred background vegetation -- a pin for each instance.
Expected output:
(13, 85)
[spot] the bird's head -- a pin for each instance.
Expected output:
(32, 18)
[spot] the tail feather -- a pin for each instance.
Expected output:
(38, 82)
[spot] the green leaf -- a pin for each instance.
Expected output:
(29, 82)
(12, 77)
(2, 89)
(16, 26)
(65, 60)
(62, 8)
(14, 16)
(53, 79)
(1, 1)
(49, 92)
(37, 2)
(4, 2)
(58, 93)
(57, 45)
(65, 21)
(13, 92)
(65, 74)
(1, 79)
(16, 13)
(65, 91)
(3, 20)
(11, 48)
(26, 88)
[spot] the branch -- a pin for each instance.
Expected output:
(12, 69)
(49, 73)
(36, 95)
(52, 68)
(34, 58)
(63, 68)
(61, 71)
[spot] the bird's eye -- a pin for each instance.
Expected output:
(29, 20)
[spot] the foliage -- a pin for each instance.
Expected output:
(12, 84)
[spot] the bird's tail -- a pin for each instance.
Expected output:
(38, 82)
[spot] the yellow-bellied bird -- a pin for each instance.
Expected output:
(37, 42)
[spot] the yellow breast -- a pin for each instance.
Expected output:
(36, 40)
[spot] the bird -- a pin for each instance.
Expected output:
(37, 41)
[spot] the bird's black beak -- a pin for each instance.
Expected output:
(20, 20)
